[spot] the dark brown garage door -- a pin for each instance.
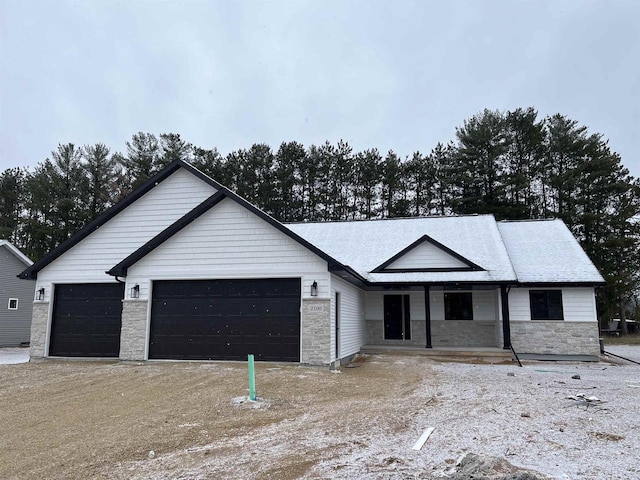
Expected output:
(86, 320)
(226, 320)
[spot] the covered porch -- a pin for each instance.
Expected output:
(446, 317)
(469, 354)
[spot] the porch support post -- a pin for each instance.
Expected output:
(506, 327)
(427, 315)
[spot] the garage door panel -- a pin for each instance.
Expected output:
(87, 319)
(226, 319)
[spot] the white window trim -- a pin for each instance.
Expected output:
(9, 304)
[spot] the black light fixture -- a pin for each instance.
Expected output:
(40, 294)
(135, 291)
(314, 289)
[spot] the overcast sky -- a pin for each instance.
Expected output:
(393, 75)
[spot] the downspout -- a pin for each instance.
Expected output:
(506, 327)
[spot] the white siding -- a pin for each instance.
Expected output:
(131, 228)
(229, 241)
(427, 255)
(484, 305)
(577, 303)
(351, 314)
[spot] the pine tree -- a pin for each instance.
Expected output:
(524, 159)
(142, 159)
(287, 205)
(421, 178)
(481, 148)
(565, 151)
(444, 178)
(102, 171)
(172, 148)
(394, 187)
(340, 180)
(368, 183)
(13, 191)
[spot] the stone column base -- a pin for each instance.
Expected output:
(133, 335)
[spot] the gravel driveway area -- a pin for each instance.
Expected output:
(79, 419)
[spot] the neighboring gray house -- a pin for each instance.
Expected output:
(183, 268)
(16, 297)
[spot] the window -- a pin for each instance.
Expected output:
(546, 304)
(13, 304)
(458, 306)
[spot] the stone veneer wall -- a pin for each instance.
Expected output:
(547, 337)
(463, 333)
(375, 334)
(39, 323)
(133, 335)
(315, 335)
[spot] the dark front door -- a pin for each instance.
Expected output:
(86, 320)
(397, 319)
(226, 319)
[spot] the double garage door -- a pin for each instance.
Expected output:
(190, 320)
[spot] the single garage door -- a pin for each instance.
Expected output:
(226, 319)
(86, 320)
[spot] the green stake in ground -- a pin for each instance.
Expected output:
(252, 379)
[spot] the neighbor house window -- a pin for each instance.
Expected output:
(546, 304)
(13, 304)
(458, 306)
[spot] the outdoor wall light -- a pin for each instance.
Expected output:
(314, 289)
(135, 291)
(40, 294)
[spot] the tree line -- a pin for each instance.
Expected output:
(512, 164)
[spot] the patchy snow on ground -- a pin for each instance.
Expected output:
(566, 420)
(13, 355)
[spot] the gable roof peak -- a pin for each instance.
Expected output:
(89, 228)
(452, 257)
(16, 252)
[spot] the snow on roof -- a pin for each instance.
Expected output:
(16, 252)
(547, 251)
(364, 245)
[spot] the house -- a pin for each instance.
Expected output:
(183, 268)
(15, 297)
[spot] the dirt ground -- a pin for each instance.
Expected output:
(78, 420)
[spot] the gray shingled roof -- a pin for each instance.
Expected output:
(527, 251)
(364, 245)
(546, 251)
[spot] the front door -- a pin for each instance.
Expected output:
(397, 318)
